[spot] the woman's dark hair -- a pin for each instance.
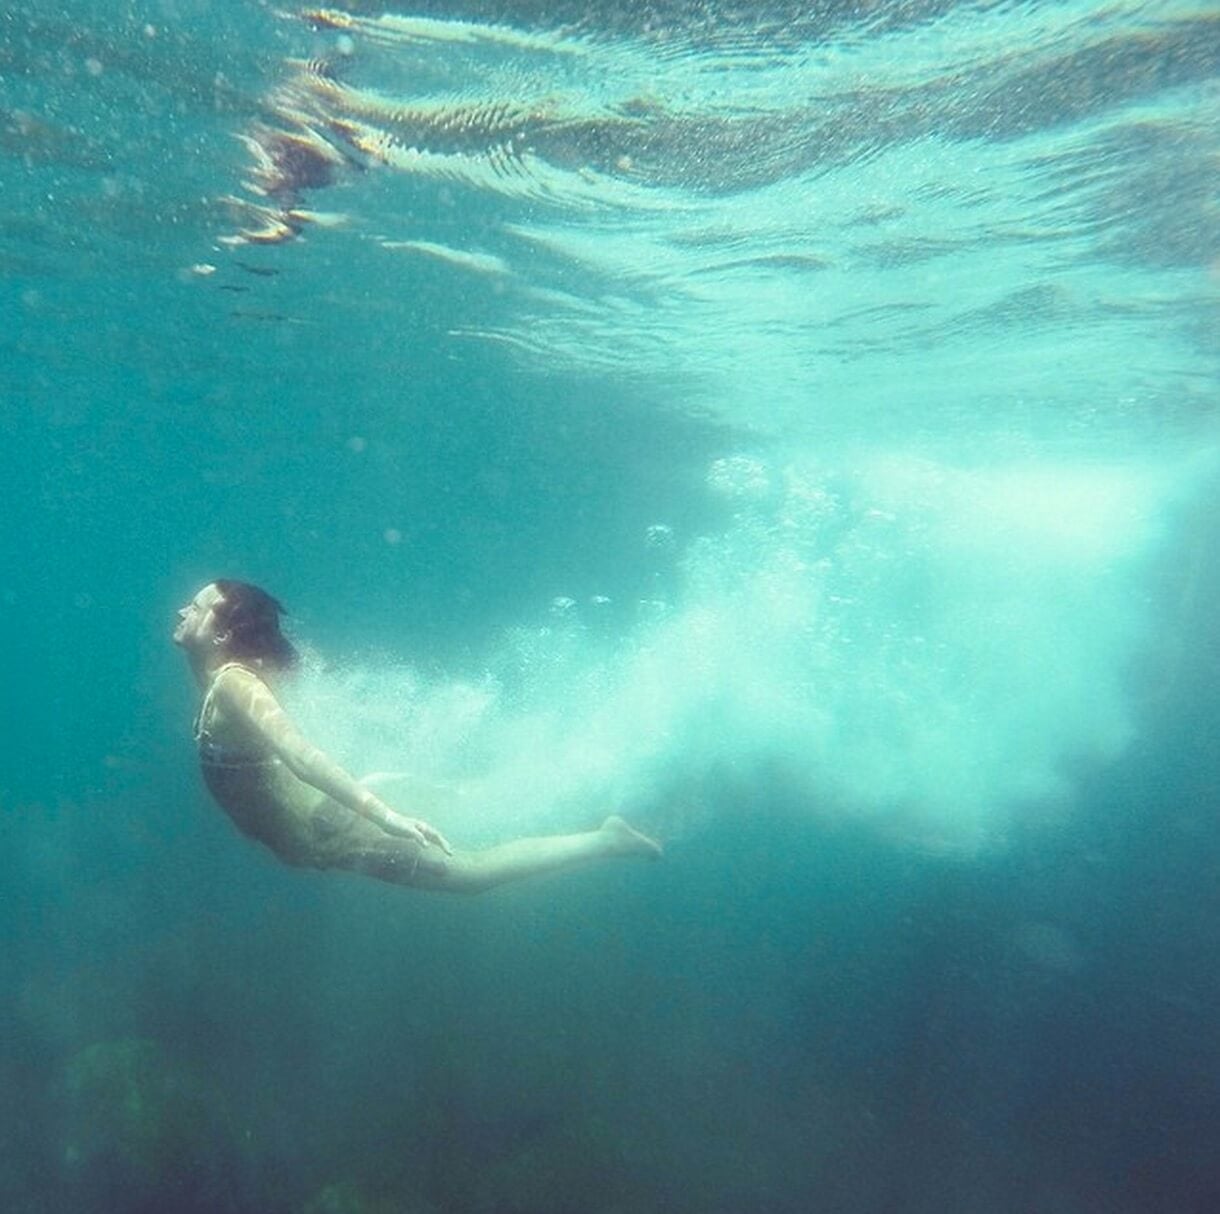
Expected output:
(251, 617)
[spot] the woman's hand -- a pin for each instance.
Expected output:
(417, 829)
(249, 697)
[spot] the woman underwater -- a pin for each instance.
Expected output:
(283, 791)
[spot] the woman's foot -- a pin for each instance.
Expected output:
(624, 840)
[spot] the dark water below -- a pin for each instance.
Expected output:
(792, 426)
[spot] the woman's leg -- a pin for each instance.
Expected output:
(472, 872)
(404, 862)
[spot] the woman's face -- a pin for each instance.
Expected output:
(197, 625)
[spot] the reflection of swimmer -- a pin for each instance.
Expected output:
(283, 791)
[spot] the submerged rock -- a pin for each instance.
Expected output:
(346, 1197)
(142, 1133)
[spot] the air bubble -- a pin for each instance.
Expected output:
(739, 477)
(659, 536)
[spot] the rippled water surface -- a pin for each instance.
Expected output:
(799, 221)
(793, 426)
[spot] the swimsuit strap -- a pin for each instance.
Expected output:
(212, 753)
(206, 704)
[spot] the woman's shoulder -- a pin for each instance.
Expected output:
(235, 677)
(230, 670)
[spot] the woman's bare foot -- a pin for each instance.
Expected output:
(624, 840)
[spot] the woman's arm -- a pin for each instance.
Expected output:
(246, 696)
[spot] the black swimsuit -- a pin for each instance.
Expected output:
(217, 754)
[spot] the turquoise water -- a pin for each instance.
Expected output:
(794, 427)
